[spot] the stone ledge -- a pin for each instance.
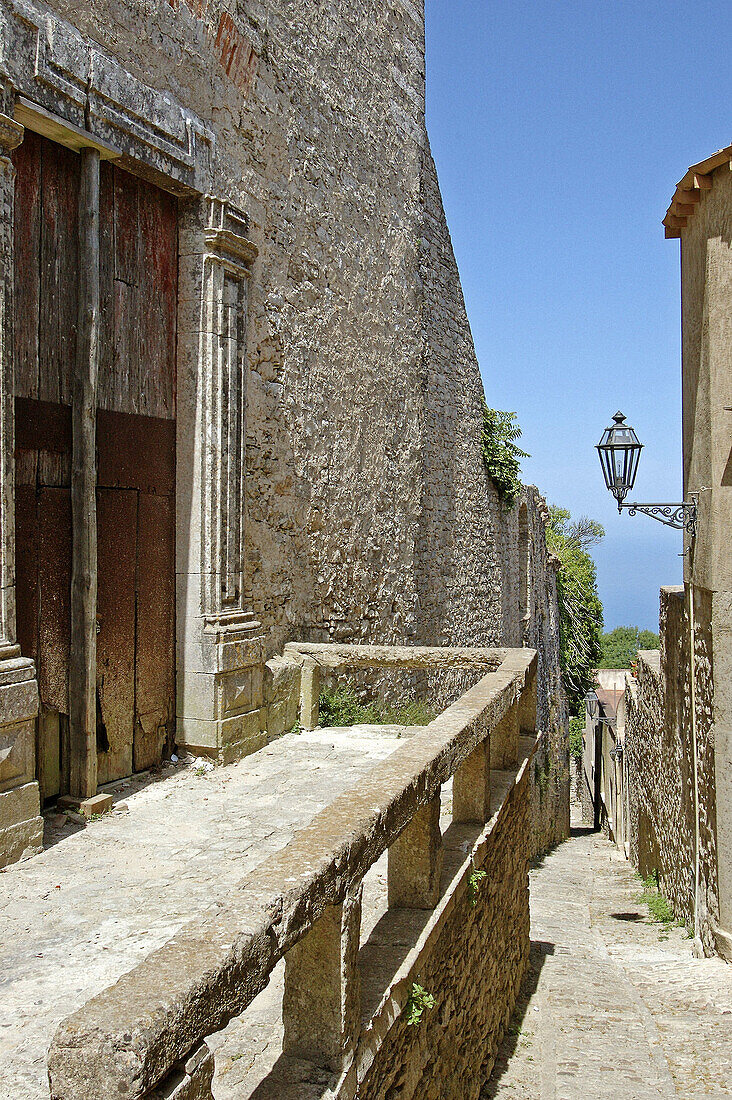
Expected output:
(333, 657)
(723, 941)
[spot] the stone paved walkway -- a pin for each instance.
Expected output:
(96, 901)
(613, 1006)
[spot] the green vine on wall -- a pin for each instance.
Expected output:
(501, 456)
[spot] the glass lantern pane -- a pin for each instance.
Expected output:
(633, 466)
(606, 464)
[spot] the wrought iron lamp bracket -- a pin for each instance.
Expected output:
(681, 516)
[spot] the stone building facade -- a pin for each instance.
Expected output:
(679, 714)
(239, 400)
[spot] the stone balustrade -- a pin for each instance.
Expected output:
(145, 1035)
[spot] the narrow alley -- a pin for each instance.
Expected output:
(614, 1005)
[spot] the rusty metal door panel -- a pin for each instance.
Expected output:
(155, 658)
(116, 558)
(54, 585)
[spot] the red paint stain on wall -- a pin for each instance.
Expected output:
(234, 51)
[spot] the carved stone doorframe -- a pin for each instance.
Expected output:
(219, 647)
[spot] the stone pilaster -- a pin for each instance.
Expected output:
(219, 646)
(21, 827)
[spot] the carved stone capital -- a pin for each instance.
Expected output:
(226, 236)
(11, 134)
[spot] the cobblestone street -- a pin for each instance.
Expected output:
(613, 1005)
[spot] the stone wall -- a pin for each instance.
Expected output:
(369, 514)
(659, 746)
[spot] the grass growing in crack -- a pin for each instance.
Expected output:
(341, 706)
(658, 906)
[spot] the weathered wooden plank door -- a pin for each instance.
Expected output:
(135, 446)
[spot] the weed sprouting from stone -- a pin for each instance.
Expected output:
(419, 1000)
(475, 879)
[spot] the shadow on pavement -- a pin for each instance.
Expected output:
(537, 957)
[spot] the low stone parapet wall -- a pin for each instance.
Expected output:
(471, 957)
(145, 1036)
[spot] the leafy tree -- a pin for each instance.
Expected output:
(620, 646)
(501, 456)
(580, 610)
(576, 729)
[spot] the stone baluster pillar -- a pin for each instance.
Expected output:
(309, 695)
(471, 786)
(219, 665)
(21, 827)
(321, 1007)
(505, 740)
(415, 861)
(527, 705)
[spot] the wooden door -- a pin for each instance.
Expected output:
(135, 454)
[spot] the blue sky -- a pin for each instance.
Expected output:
(559, 129)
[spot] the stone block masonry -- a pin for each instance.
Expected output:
(482, 921)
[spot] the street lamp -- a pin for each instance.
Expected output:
(592, 703)
(619, 451)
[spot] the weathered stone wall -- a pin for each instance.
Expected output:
(369, 514)
(706, 314)
(459, 539)
(659, 747)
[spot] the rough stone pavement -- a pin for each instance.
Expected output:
(96, 901)
(613, 1006)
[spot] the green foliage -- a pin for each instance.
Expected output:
(474, 881)
(658, 907)
(341, 706)
(501, 456)
(576, 729)
(419, 999)
(620, 646)
(580, 610)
